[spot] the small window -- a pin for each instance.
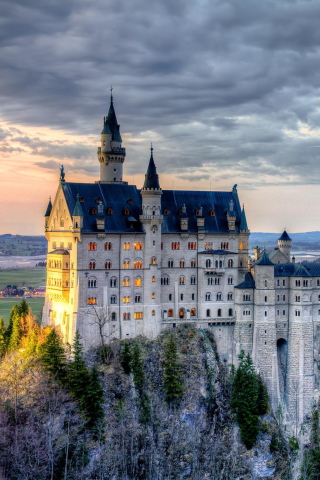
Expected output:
(278, 283)
(230, 263)
(126, 264)
(166, 212)
(153, 279)
(193, 312)
(109, 211)
(113, 316)
(208, 297)
(170, 297)
(108, 246)
(138, 282)
(175, 245)
(208, 312)
(107, 265)
(283, 283)
(212, 213)
(265, 283)
(126, 246)
(265, 313)
(153, 295)
(193, 280)
(93, 211)
(219, 312)
(126, 212)
(125, 299)
(230, 312)
(193, 263)
(208, 263)
(126, 316)
(219, 296)
(170, 312)
(92, 246)
(153, 313)
(170, 264)
(153, 260)
(182, 263)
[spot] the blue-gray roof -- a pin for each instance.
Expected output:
(264, 260)
(151, 177)
(111, 125)
(118, 197)
(248, 282)
(284, 236)
(77, 212)
(217, 252)
(49, 208)
(297, 270)
(243, 221)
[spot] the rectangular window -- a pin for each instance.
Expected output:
(126, 246)
(161, 245)
(192, 245)
(283, 312)
(284, 283)
(138, 245)
(138, 315)
(170, 297)
(192, 296)
(175, 245)
(284, 297)
(125, 299)
(54, 245)
(208, 245)
(278, 312)
(69, 246)
(181, 296)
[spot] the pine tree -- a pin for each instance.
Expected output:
(125, 358)
(15, 336)
(8, 332)
(93, 399)
(53, 356)
(245, 400)
(3, 345)
(262, 397)
(137, 368)
(78, 375)
(172, 377)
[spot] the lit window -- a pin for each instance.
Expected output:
(153, 295)
(175, 246)
(126, 246)
(109, 211)
(192, 245)
(170, 312)
(108, 246)
(193, 312)
(181, 280)
(153, 279)
(208, 245)
(182, 263)
(126, 316)
(138, 245)
(138, 282)
(126, 282)
(107, 265)
(153, 312)
(126, 264)
(92, 246)
(91, 301)
(125, 299)
(153, 261)
(138, 315)
(137, 264)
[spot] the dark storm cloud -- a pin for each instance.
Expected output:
(218, 86)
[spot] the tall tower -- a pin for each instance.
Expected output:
(243, 243)
(110, 154)
(285, 244)
(151, 220)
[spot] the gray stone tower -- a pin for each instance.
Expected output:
(151, 220)
(285, 244)
(110, 154)
(243, 243)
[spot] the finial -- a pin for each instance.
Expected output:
(50, 198)
(62, 174)
(151, 149)
(111, 88)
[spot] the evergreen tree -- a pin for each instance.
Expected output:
(78, 375)
(53, 356)
(8, 332)
(137, 368)
(262, 397)
(3, 345)
(125, 358)
(172, 377)
(93, 399)
(245, 400)
(15, 336)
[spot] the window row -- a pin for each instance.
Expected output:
(182, 263)
(182, 313)
(125, 246)
(54, 245)
(219, 312)
(126, 264)
(57, 282)
(127, 299)
(218, 264)
(57, 264)
(208, 296)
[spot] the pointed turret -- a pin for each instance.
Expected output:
(243, 221)
(77, 212)
(151, 177)
(285, 244)
(77, 217)
(49, 208)
(111, 155)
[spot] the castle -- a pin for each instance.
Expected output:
(124, 262)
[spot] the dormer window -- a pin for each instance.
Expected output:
(93, 211)
(165, 212)
(97, 200)
(81, 199)
(197, 213)
(126, 211)
(180, 212)
(109, 211)
(129, 201)
(212, 213)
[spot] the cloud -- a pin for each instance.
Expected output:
(220, 85)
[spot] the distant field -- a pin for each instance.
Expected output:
(28, 277)
(6, 304)
(22, 245)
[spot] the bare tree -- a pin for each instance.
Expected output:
(101, 317)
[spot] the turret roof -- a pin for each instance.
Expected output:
(243, 220)
(151, 177)
(49, 208)
(111, 125)
(248, 282)
(77, 212)
(264, 260)
(284, 236)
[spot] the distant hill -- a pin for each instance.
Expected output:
(305, 241)
(22, 245)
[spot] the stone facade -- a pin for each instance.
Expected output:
(134, 262)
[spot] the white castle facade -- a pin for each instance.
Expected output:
(134, 262)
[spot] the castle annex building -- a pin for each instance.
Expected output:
(124, 261)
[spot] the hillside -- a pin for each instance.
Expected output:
(305, 241)
(44, 436)
(22, 245)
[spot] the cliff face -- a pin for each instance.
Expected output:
(144, 437)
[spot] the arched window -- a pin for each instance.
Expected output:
(91, 301)
(170, 264)
(230, 312)
(109, 211)
(138, 299)
(108, 246)
(93, 211)
(193, 263)
(220, 264)
(138, 282)
(113, 282)
(108, 265)
(182, 263)
(246, 297)
(153, 312)
(165, 280)
(230, 280)
(126, 264)
(126, 316)
(181, 313)
(137, 264)
(92, 282)
(92, 265)
(219, 312)
(208, 263)
(126, 282)
(193, 280)
(170, 312)
(193, 312)
(208, 297)
(126, 211)
(125, 299)
(126, 246)
(265, 283)
(113, 316)
(230, 263)
(208, 312)
(230, 296)
(278, 283)
(219, 296)
(165, 212)
(153, 261)
(216, 264)
(181, 280)
(113, 299)
(265, 298)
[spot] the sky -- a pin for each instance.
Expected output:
(227, 92)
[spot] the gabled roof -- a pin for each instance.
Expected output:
(49, 208)
(297, 270)
(151, 177)
(264, 260)
(284, 236)
(248, 282)
(300, 271)
(111, 124)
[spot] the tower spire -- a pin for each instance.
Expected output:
(151, 177)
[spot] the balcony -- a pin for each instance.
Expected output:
(216, 270)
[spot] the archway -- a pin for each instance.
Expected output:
(282, 355)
